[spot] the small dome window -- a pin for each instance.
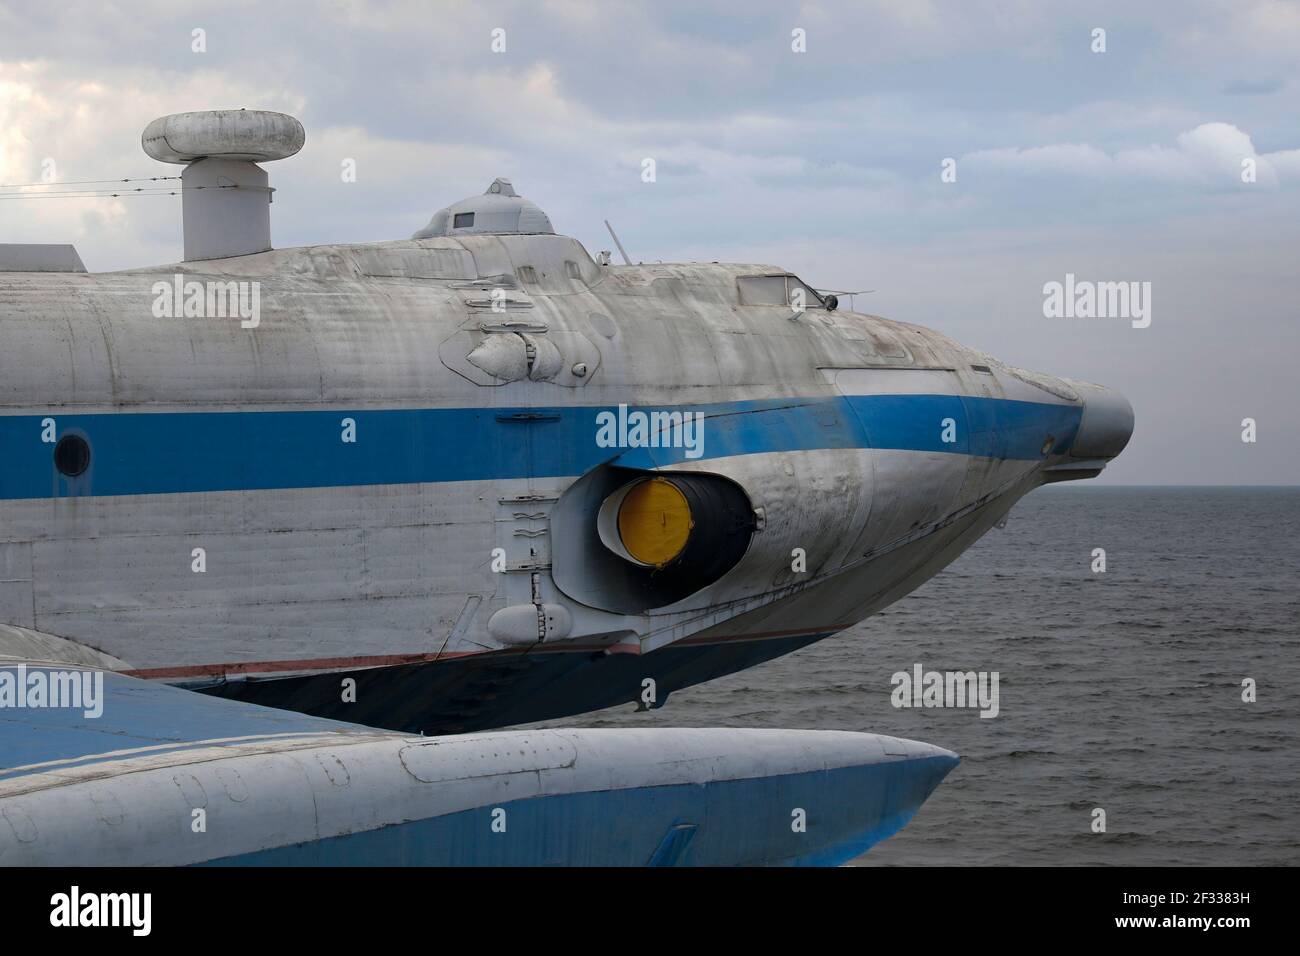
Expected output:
(500, 211)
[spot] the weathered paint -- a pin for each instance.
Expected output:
(373, 559)
(167, 777)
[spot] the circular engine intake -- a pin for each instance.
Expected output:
(684, 531)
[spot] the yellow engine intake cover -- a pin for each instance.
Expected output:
(655, 522)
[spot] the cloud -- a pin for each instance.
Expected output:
(1209, 156)
(1253, 87)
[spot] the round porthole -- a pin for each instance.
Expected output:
(71, 455)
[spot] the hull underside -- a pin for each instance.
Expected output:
(504, 688)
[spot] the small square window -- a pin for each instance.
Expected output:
(463, 220)
(762, 290)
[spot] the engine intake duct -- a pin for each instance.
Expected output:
(630, 541)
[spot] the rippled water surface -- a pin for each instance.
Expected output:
(1119, 690)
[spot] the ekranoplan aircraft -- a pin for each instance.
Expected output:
(447, 484)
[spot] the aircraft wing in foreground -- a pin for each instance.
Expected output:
(140, 773)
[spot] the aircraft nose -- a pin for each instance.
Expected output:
(1107, 422)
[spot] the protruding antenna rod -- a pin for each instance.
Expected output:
(839, 292)
(621, 251)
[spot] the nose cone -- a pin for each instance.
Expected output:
(1107, 423)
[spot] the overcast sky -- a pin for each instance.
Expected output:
(1123, 165)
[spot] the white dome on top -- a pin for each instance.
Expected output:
(499, 211)
(252, 136)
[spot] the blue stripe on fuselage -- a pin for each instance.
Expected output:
(135, 453)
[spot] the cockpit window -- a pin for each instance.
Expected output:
(784, 290)
(799, 291)
(762, 290)
(463, 220)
